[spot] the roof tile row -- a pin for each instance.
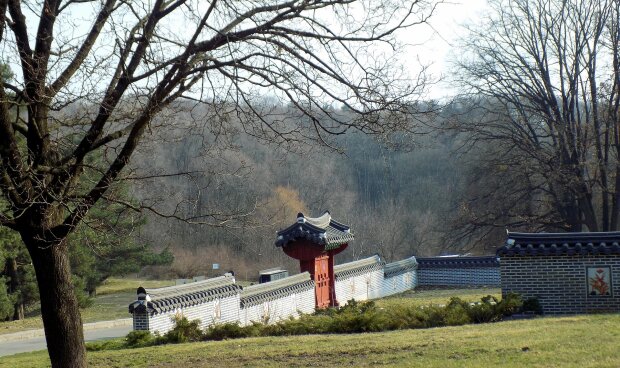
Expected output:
(172, 297)
(347, 270)
(457, 262)
(400, 267)
(260, 293)
(321, 230)
(550, 244)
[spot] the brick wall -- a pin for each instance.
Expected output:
(140, 321)
(559, 282)
(458, 271)
(478, 276)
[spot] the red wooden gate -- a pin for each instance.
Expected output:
(314, 242)
(322, 281)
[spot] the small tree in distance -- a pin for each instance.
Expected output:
(132, 60)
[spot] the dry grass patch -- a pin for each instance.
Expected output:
(111, 302)
(115, 285)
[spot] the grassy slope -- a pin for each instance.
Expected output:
(442, 296)
(111, 302)
(581, 341)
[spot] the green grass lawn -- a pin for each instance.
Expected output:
(438, 296)
(118, 285)
(113, 298)
(580, 341)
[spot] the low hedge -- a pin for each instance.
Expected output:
(354, 317)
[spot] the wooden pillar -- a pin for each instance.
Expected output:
(332, 280)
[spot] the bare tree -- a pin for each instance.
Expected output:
(544, 78)
(132, 60)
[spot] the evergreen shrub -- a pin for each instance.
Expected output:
(354, 317)
(183, 331)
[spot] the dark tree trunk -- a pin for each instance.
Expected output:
(589, 215)
(59, 306)
(11, 269)
(615, 202)
(18, 313)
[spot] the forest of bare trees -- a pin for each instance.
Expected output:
(543, 80)
(398, 201)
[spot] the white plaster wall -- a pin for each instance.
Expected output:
(282, 308)
(219, 310)
(359, 287)
(276, 310)
(399, 283)
(230, 311)
(375, 289)
(161, 322)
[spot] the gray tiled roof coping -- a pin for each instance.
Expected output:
(274, 285)
(550, 244)
(189, 288)
(398, 267)
(320, 230)
(171, 297)
(457, 262)
(350, 269)
(259, 293)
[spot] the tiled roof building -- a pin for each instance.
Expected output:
(321, 231)
(567, 272)
(315, 242)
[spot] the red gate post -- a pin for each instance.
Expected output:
(314, 242)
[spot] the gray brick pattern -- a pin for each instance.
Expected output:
(455, 276)
(559, 282)
(140, 322)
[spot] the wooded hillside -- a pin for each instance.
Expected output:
(401, 195)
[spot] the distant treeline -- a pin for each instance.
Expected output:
(400, 199)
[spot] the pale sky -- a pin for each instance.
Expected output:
(432, 44)
(439, 38)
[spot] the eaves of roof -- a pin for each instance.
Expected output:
(350, 269)
(172, 297)
(321, 231)
(552, 244)
(260, 293)
(400, 267)
(457, 262)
